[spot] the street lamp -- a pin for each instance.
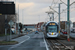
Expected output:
(18, 19)
(15, 17)
(22, 20)
(65, 20)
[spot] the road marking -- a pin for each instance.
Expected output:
(42, 44)
(46, 44)
(16, 45)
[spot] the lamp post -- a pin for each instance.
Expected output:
(59, 17)
(22, 20)
(65, 20)
(18, 21)
(15, 16)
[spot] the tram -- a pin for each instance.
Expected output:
(51, 30)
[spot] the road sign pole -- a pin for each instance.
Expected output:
(10, 34)
(6, 29)
(68, 9)
(11, 24)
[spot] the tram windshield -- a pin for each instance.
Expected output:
(52, 28)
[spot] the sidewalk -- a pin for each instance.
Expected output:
(12, 36)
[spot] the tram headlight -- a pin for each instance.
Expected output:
(49, 33)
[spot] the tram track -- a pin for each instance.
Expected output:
(57, 45)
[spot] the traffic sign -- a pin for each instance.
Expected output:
(11, 23)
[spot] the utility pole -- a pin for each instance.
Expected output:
(18, 20)
(65, 21)
(59, 17)
(68, 20)
(22, 20)
(15, 17)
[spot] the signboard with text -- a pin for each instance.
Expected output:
(7, 8)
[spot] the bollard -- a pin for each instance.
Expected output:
(68, 39)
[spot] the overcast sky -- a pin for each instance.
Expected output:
(34, 10)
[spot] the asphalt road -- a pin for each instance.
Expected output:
(33, 42)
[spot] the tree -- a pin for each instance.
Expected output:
(2, 22)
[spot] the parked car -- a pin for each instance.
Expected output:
(64, 32)
(73, 30)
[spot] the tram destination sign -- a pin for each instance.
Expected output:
(52, 23)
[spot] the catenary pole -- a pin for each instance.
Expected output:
(59, 17)
(68, 20)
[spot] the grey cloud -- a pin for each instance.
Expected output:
(35, 1)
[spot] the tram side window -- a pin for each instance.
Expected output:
(52, 28)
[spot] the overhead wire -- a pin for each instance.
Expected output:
(55, 4)
(52, 2)
(63, 11)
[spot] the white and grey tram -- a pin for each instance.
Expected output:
(51, 30)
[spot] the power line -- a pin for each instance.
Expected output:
(64, 11)
(55, 4)
(52, 2)
(61, 12)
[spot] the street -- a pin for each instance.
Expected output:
(30, 41)
(37, 25)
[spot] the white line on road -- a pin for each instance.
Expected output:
(46, 44)
(19, 43)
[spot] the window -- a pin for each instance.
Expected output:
(52, 28)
